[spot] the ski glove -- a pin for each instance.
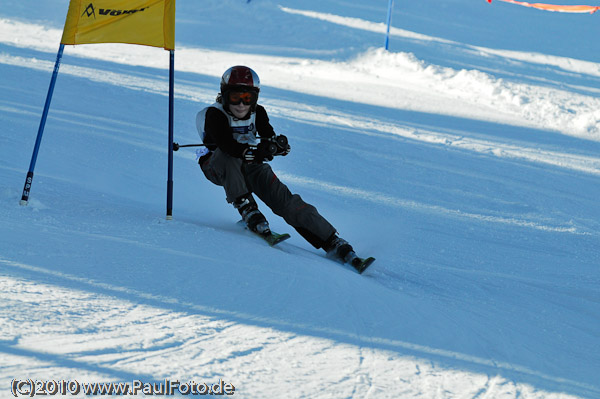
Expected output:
(265, 151)
(283, 147)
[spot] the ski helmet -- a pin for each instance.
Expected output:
(239, 78)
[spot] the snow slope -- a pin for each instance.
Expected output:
(465, 160)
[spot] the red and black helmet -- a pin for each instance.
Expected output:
(239, 78)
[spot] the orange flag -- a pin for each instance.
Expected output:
(554, 7)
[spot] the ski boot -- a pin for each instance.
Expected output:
(339, 249)
(254, 219)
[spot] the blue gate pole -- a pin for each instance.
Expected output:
(38, 141)
(389, 22)
(170, 166)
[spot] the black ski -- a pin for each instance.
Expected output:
(271, 237)
(361, 264)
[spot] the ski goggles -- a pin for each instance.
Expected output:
(237, 97)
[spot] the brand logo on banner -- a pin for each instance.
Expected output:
(91, 11)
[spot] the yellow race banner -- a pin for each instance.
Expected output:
(145, 22)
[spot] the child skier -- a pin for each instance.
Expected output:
(239, 139)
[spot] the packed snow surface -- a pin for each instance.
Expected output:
(464, 158)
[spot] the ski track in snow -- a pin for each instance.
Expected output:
(188, 334)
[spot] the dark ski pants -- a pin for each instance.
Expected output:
(239, 178)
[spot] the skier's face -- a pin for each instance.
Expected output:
(240, 102)
(239, 110)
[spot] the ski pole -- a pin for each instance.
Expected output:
(177, 146)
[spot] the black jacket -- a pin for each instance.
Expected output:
(220, 135)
